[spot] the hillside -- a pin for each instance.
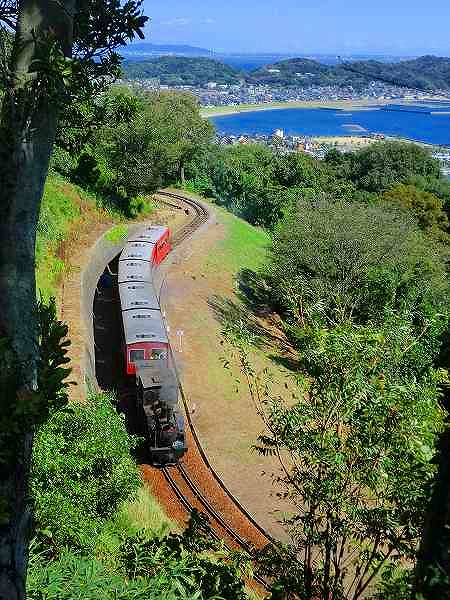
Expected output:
(304, 72)
(425, 73)
(180, 70)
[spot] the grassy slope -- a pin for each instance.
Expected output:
(65, 210)
(244, 247)
(202, 301)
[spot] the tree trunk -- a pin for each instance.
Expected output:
(27, 132)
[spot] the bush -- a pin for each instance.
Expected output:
(82, 471)
(62, 162)
(87, 171)
(337, 261)
(140, 206)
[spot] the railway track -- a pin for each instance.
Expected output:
(181, 479)
(200, 211)
(194, 483)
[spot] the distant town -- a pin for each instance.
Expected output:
(214, 94)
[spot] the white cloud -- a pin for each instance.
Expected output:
(185, 22)
(179, 22)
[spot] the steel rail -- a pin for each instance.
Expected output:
(202, 215)
(199, 207)
(211, 513)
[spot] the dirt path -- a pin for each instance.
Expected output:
(224, 414)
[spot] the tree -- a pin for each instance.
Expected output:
(333, 261)
(153, 147)
(60, 49)
(426, 207)
(356, 445)
(384, 164)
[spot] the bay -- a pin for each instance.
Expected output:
(428, 123)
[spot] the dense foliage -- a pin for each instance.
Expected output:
(185, 566)
(123, 146)
(261, 185)
(82, 470)
(85, 546)
(424, 73)
(180, 70)
(332, 261)
(358, 271)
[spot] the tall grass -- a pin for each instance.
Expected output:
(58, 211)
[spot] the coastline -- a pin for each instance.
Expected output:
(352, 105)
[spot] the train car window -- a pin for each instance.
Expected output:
(159, 354)
(137, 355)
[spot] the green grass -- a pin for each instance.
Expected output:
(117, 234)
(244, 246)
(144, 513)
(141, 514)
(58, 211)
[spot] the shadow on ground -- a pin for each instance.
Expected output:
(253, 315)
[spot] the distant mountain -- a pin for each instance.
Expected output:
(181, 70)
(141, 50)
(304, 72)
(426, 73)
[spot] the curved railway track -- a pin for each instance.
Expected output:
(182, 479)
(194, 482)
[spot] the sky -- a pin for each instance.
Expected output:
(319, 26)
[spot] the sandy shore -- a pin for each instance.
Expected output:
(351, 105)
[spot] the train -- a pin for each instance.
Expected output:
(147, 360)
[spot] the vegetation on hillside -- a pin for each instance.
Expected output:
(260, 185)
(123, 146)
(180, 70)
(59, 53)
(358, 272)
(96, 533)
(424, 73)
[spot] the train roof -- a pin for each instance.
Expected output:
(156, 373)
(135, 271)
(138, 295)
(137, 251)
(143, 325)
(150, 234)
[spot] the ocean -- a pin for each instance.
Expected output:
(428, 123)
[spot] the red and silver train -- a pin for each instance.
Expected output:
(147, 357)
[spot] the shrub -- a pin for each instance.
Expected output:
(82, 470)
(140, 206)
(62, 162)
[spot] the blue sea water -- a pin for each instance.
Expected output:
(422, 122)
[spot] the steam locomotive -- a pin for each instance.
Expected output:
(147, 358)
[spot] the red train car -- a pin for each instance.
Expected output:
(153, 244)
(144, 329)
